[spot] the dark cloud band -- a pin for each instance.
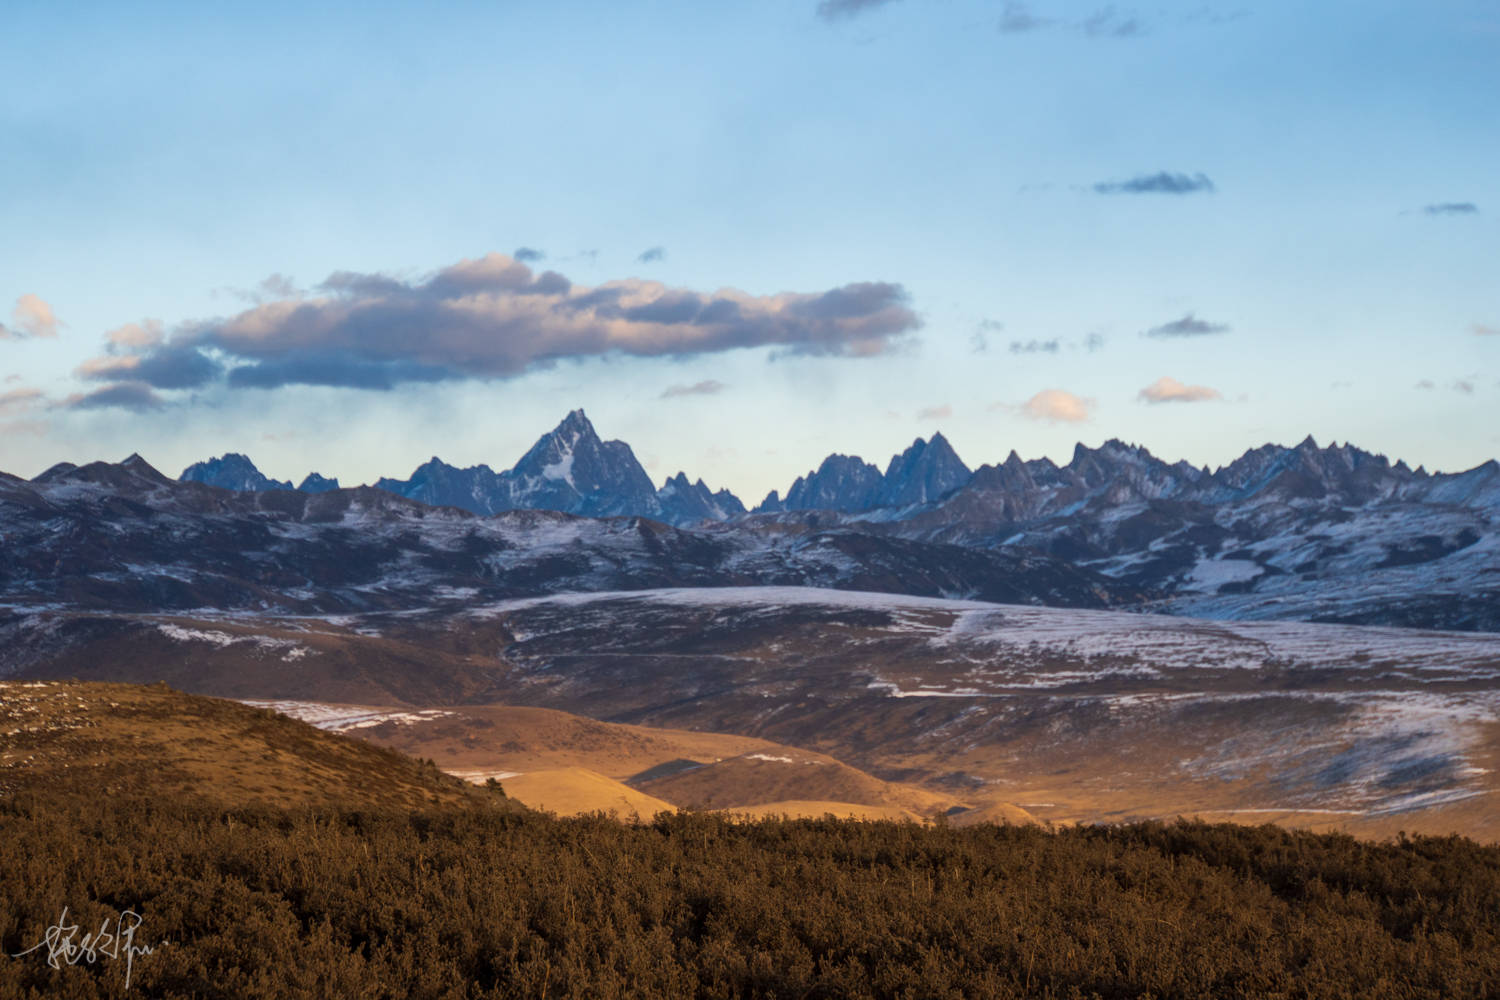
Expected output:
(1161, 182)
(495, 318)
(1188, 326)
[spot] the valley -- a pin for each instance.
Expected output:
(918, 705)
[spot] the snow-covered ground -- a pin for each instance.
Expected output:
(343, 718)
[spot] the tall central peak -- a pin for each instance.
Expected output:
(925, 471)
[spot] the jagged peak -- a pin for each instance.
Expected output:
(576, 423)
(140, 467)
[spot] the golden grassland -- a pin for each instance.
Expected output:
(123, 739)
(345, 870)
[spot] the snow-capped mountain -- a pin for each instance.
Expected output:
(569, 469)
(232, 471)
(572, 470)
(842, 482)
(1305, 532)
(315, 483)
(1331, 533)
(125, 537)
(688, 503)
(928, 470)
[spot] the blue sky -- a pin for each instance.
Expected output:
(1194, 227)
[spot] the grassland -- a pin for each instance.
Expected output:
(310, 881)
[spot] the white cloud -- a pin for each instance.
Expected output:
(1058, 406)
(708, 387)
(135, 336)
(1168, 390)
(31, 317)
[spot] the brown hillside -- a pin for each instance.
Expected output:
(122, 739)
(789, 775)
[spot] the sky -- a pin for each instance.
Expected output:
(745, 236)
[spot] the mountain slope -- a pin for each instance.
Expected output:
(119, 739)
(231, 471)
(124, 537)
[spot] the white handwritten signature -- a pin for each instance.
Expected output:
(64, 945)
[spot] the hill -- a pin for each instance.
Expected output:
(575, 791)
(569, 764)
(122, 740)
(788, 775)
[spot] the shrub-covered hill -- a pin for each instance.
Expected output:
(111, 740)
(458, 902)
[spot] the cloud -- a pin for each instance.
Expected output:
(18, 401)
(275, 286)
(1426, 383)
(1057, 406)
(1480, 330)
(528, 255)
(173, 366)
(833, 10)
(1451, 208)
(652, 255)
(1017, 19)
(940, 412)
(708, 387)
(1091, 343)
(31, 317)
(1168, 390)
(135, 336)
(17, 410)
(980, 342)
(1464, 386)
(494, 318)
(1109, 23)
(1160, 182)
(1189, 326)
(136, 396)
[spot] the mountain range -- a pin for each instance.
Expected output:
(1307, 532)
(572, 470)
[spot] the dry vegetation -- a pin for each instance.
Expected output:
(118, 739)
(261, 902)
(342, 890)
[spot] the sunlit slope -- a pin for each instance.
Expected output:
(514, 744)
(789, 775)
(574, 791)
